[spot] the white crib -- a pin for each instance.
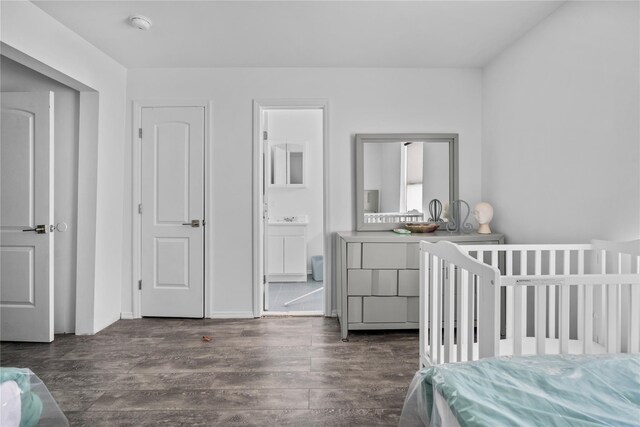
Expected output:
(499, 300)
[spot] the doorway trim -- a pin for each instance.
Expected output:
(259, 105)
(136, 197)
(88, 134)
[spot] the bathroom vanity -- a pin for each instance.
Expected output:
(287, 250)
(378, 276)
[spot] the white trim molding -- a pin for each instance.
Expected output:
(231, 315)
(126, 315)
(259, 105)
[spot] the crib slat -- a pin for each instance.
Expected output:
(509, 296)
(564, 307)
(600, 304)
(435, 324)
(552, 296)
(635, 305)
(633, 341)
(448, 312)
(613, 310)
(588, 319)
(488, 318)
(541, 319)
(471, 314)
(581, 297)
(623, 315)
(520, 309)
(476, 290)
(540, 307)
(425, 268)
(461, 318)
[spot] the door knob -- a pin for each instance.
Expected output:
(194, 223)
(40, 229)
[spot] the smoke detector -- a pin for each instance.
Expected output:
(140, 22)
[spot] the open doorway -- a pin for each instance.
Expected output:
(293, 244)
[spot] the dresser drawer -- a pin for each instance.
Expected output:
(359, 282)
(384, 309)
(372, 282)
(409, 283)
(413, 309)
(355, 309)
(390, 255)
(354, 255)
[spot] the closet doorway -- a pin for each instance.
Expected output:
(39, 167)
(291, 230)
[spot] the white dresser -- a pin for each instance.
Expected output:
(378, 276)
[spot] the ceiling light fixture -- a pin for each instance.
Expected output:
(140, 22)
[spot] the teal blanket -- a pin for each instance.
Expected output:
(559, 390)
(31, 405)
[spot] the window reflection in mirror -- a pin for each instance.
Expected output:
(400, 178)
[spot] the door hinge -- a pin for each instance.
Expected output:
(264, 279)
(265, 135)
(204, 222)
(140, 133)
(139, 208)
(139, 285)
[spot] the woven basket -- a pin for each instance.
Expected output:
(421, 227)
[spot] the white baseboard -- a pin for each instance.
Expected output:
(127, 315)
(231, 315)
(334, 313)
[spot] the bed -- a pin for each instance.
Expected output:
(26, 402)
(528, 335)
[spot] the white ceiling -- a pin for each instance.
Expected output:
(302, 33)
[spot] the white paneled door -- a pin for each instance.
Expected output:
(172, 267)
(26, 213)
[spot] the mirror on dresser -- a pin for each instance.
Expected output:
(397, 175)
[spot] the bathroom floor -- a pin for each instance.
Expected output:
(281, 292)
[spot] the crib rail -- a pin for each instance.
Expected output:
(533, 299)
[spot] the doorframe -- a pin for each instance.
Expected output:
(259, 105)
(86, 209)
(136, 197)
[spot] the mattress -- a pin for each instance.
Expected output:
(556, 390)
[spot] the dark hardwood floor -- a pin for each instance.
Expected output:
(264, 372)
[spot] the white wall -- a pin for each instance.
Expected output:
(17, 78)
(560, 150)
(360, 101)
(33, 36)
(301, 126)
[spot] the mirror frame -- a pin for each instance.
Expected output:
(369, 138)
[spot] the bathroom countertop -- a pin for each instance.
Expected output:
(287, 223)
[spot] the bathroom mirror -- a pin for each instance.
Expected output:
(397, 175)
(287, 164)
